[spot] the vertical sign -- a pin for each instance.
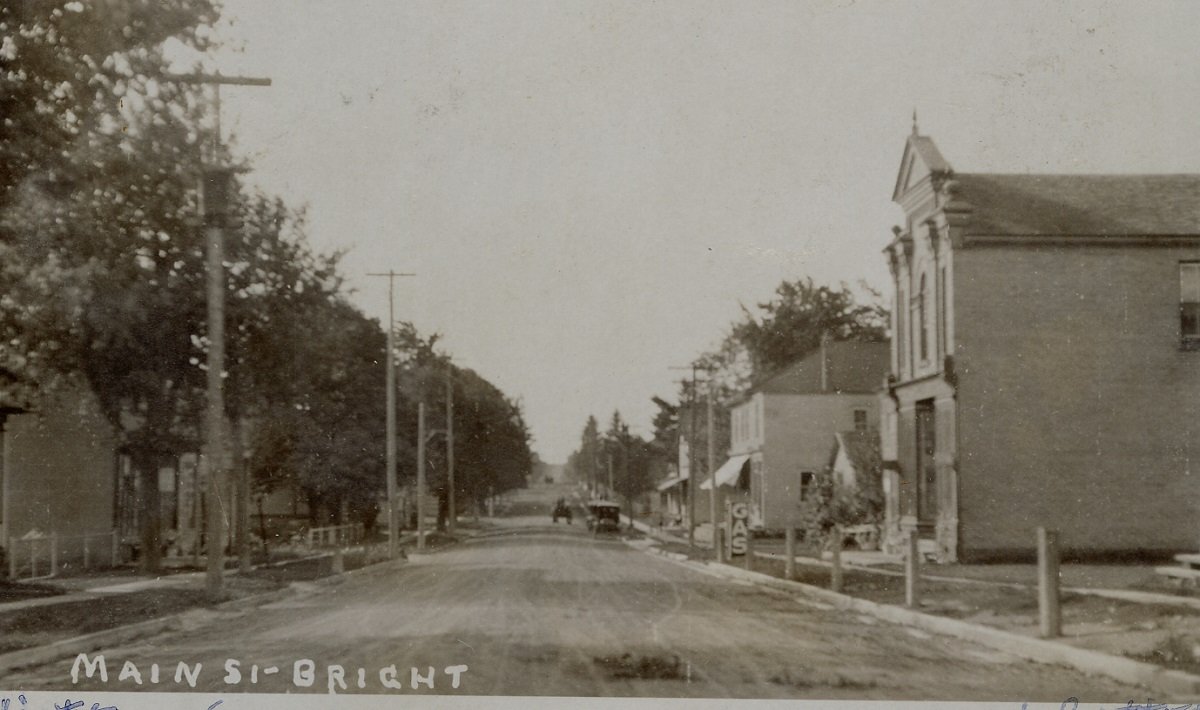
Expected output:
(739, 530)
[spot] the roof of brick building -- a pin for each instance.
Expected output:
(1079, 205)
(849, 367)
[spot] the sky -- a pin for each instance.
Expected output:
(589, 191)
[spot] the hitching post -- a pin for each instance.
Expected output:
(835, 579)
(912, 570)
(1049, 601)
(789, 551)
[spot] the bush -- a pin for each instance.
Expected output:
(828, 503)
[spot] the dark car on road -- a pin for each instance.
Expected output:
(561, 510)
(604, 516)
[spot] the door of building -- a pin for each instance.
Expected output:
(926, 469)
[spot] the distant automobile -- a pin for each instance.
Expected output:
(604, 516)
(561, 510)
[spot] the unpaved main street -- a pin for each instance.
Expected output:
(532, 608)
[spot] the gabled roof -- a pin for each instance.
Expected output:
(861, 447)
(921, 158)
(850, 367)
(1078, 205)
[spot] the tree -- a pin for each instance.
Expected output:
(99, 163)
(492, 451)
(763, 341)
(793, 323)
(668, 428)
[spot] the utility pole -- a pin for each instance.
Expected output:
(691, 501)
(453, 512)
(390, 384)
(610, 474)
(214, 200)
(712, 471)
(421, 476)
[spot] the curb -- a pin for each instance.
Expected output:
(39, 655)
(1125, 670)
(1126, 595)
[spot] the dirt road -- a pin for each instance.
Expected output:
(531, 608)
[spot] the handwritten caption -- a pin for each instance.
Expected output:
(304, 674)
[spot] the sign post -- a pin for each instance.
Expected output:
(739, 529)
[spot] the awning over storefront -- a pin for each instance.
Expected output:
(727, 474)
(671, 482)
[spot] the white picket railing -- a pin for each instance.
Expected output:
(335, 535)
(38, 556)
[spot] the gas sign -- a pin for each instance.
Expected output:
(739, 528)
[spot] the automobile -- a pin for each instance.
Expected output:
(603, 516)
(561, 510)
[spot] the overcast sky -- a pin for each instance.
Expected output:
(587, 190)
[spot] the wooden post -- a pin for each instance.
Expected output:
(339, 561)
(749, 561)
(721, 535)
(789, 550)
(835, 579)
(32, 557)
(116, 547)
(1049, 600)
(12, 558)
(53, 554)
(912, 570)
(87, 556)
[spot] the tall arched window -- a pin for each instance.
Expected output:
(923, 320)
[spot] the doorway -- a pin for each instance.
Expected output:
(927, 503)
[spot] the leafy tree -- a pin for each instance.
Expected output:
(492, 451)
(668, 428)
(763, 341)
(792, 324)
(637, 463)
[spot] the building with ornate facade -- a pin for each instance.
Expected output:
(1045, 361)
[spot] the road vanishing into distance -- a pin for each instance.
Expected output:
(528, 607)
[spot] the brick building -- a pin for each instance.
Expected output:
(1045, 368)
(57, 477)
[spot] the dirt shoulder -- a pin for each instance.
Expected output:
(89, 612)
(1164, 634)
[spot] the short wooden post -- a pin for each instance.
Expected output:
(789, 551)
(53, 554)
(912, 570)
(33, 557)
(1049, 600)
(749, 561)
(339, 561)
(12, 558)
(835, 548)
(87, 553)
(116, 548)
